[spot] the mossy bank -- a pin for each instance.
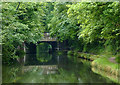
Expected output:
(100, 64)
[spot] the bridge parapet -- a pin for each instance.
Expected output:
(47, 37)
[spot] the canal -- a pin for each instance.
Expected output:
(55, 67)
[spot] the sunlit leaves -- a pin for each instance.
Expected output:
(89, 14)
(91, 22)
(22, 22)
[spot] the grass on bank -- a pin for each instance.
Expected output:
(104, 62)
(110, 69)
(83, 55)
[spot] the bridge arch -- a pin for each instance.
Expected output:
(54, 44)
(32, 48)
(45, 39)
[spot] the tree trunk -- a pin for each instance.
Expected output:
(21, 59)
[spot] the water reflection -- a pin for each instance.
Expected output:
(43, 47)
(58, 69)
(44, 57)
(43, 69)
(41, 59)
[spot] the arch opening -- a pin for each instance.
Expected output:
(43, 47)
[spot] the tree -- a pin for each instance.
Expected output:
(21, 22)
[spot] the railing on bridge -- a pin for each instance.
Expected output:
(47, 37)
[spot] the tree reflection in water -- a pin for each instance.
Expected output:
(43, 52)
(44, 57)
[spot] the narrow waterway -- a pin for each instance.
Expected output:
(54, 67)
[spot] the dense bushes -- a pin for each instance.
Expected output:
(22, 22)
(93, 26)
(87, 26)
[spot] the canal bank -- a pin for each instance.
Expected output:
(105, 66)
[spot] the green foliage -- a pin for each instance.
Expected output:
(20, 53)
(60, 25)
(99, 21)
(8, 52)
(70, 52)
(22, 22)
(87, 26)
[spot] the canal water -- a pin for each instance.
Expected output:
(54, 67)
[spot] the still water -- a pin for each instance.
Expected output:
(54, 67)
